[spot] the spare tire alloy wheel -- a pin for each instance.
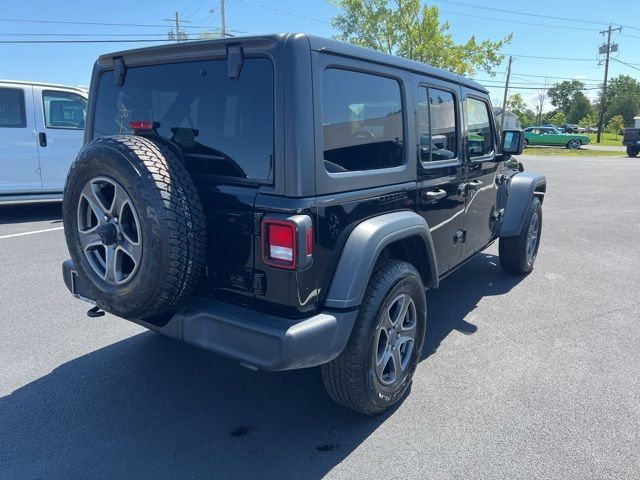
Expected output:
(110, 232)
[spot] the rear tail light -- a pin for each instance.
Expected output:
(287, 243)
(280, 239)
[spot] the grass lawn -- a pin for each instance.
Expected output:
(607, 139)
(568, 152)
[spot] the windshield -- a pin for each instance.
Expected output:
(224, 126)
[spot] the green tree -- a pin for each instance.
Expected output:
(623, 98)
(588, 121)
(519, 107)
(562, 94)
(412, 30)
(616, 123)
(626, 105)
(578, 108)
(558, 118)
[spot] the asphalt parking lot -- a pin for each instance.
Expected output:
(534, 377)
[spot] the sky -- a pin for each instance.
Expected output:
(569, 44)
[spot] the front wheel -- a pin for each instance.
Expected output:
(526, 143)
(573, 144)
(376, 367)
(633, 151)
(518, 254)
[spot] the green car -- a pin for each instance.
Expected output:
(551, 137)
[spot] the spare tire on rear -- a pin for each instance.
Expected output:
(134, 226)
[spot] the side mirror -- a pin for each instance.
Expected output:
(512, 142)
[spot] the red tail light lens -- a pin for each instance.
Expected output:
(142, 125)
(279, 243)
(310, 241)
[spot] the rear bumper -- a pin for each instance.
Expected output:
(256, 339)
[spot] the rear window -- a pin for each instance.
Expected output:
(224, 126)
(12, 114)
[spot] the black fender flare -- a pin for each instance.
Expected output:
(362, 249)
(520, 191)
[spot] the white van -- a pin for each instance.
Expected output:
(41, 130)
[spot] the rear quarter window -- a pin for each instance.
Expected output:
(225, 127)
(361, 121)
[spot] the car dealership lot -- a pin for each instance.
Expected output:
(534, 377)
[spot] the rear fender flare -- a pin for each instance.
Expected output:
(362, 249)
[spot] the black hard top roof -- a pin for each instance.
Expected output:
(316, 43)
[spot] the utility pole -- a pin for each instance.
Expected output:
(506, 90)
(603, 101)
(223, 20)
(179, 35)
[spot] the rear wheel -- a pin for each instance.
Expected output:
(134, 226)
(633, 151)
(376, 367)
(518, 254)
(573, 144)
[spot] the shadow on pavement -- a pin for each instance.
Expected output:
(149, 407)
(31, 213)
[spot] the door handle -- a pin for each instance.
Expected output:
(474, 184)
(432, 196)
(42, 138)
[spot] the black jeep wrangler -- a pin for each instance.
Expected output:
(287, 200)
(631, 140)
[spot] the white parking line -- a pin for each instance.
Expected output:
(30, 233)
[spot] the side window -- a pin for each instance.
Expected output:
(63, 110)
(361, 121)
(12, 110)
(479, 130)
(436, 125)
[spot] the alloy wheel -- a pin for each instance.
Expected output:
(394, 341)
(109, 230)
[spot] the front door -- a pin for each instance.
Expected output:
(60, 117)
(441, 171)
(483, 170)
(19, 167)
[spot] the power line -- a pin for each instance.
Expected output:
(630, 65)
(123, 40)
(564, 27)
(39, 34)
(287, 12)
(484, 7)
(108, 24)
(551, 58)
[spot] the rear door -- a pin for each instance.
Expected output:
(19, 164)
(224, 128)
(441, 174)
(60, 117)
(481, 219)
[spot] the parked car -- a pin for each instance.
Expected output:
(551, 137)
(572, 128)
(41, 130)
(551, 125)
(262, 198)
